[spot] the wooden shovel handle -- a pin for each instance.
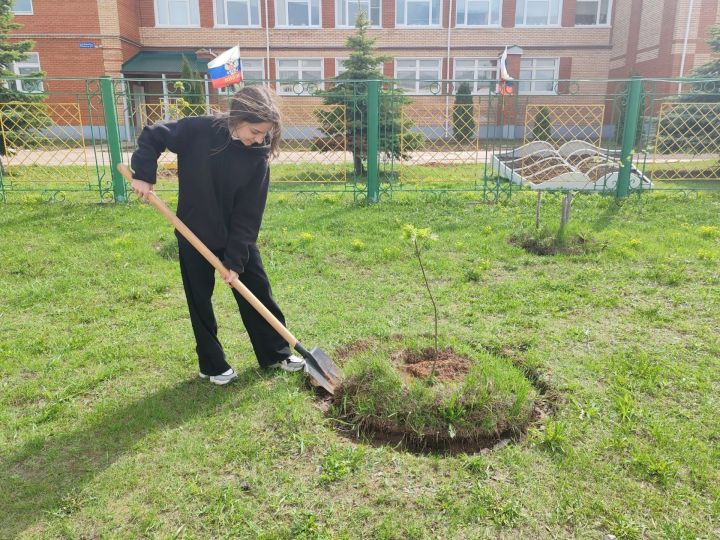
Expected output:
(213, 259)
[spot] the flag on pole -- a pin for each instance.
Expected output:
(226, 68)
(505, 84)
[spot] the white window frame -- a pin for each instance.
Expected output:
(23, 12)
(597, 14)
(351, 24)
(229, 90)
(532, 91)
(490, 24)
(283, 92)
(547, 23)
(219, 24)
(418, 91)
(190, 24)
(476, 68)
(430, 23)
(339, 68)
(287, 14)
(15, 68)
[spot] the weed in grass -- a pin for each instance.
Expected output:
(358, 245)
(678, 531)
(623, 527)
(709, 231)
(624, 406)
(305, 526)
(506, 514)
(340, 461)
(554, 437)
(655, 469)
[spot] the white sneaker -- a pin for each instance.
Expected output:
(291, 363)
(221, 379)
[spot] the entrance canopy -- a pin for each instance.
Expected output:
(159, 62)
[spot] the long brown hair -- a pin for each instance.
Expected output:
(256, 104)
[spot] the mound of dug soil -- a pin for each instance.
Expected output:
(443, 364)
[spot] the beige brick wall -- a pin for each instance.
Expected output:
(650, 24)
(620, 29)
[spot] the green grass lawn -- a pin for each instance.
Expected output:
(108, 433)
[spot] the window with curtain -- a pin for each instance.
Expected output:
(417, 12)
(592, 12)
(177, 13)
(537, 12)
(346, 12)
(29, 65)
(479, 72)
(418, 76)
(298, 12)
(538, 75)
(292, 71)
(478, 12)
(237, 12)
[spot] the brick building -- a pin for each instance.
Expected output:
(427, 39)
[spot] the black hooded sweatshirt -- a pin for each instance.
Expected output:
(223, 183)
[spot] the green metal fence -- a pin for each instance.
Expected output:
(376, 138)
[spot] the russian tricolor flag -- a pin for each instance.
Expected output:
(226, 69)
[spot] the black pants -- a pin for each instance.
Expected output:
(198, 277)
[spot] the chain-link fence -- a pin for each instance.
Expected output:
(374, 138)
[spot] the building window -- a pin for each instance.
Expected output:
(299, 75)
(537, 12)
(298, 12)
(348, 10)
(592, 12)
(538, 75)
(253, 73)
(418, 76)
(22, 7)
(340, 67)
(237, 13)
(479, 72)
(478, 13)
(417, 12)
(177, 13)
(29, 65)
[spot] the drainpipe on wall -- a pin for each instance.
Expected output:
(166, 99)
(267, 40)
(126, 112)
(685, 43)
(447, 73)
(207, 93)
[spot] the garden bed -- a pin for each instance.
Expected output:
(575, 165)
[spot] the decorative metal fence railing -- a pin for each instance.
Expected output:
(373, 138)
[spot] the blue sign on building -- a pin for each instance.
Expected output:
(87, 45)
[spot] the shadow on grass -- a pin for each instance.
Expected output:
(607, 217)
(44, 474)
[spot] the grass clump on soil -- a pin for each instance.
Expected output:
(383, 398)
(545, 241)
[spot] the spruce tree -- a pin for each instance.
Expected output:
(463, 115)
(16, 122)
(693, 129)
(349, 92)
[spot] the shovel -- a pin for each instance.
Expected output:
(318, 365)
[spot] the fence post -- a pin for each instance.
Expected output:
(373, 133)
(632, 113)
(113, 138)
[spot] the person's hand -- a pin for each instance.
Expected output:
(231, 276)
(142, 189)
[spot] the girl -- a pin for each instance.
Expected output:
(223, 177)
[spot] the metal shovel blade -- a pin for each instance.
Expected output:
(320, 368)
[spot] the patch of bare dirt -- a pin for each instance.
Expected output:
(444, 364)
